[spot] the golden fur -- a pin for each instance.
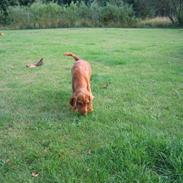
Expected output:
(82, 98)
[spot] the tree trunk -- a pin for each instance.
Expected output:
(172, 20)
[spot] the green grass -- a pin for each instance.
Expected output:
(135, 133)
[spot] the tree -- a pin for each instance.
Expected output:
(142, 8)
(176, 11)
(173, 9)
(26, 2)
(3, 10)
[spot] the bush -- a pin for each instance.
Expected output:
(19, 16)
(117, 16)
(45, 15)
(36, 16)
(40, 15)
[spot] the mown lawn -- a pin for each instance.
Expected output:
(135, 133)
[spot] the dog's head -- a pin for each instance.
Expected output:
(83, 103)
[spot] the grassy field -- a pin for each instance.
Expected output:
(135, 133)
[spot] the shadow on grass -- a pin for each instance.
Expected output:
(43, 105)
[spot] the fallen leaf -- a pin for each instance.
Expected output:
(35, 174)
(7, 161)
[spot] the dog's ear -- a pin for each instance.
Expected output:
(73, 102)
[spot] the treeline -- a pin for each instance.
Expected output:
(86, 13)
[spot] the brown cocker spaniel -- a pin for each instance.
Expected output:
(82, 98)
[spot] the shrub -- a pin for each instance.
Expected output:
(114, 15)
(19, 16)
(40, 15)
(45, 15)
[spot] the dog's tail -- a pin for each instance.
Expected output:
(76, 58)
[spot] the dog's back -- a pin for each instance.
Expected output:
(81, 68)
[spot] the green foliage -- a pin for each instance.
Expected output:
(40, 15)
(3, 11)
(112, 14)
(175, 11)
(75, 13)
